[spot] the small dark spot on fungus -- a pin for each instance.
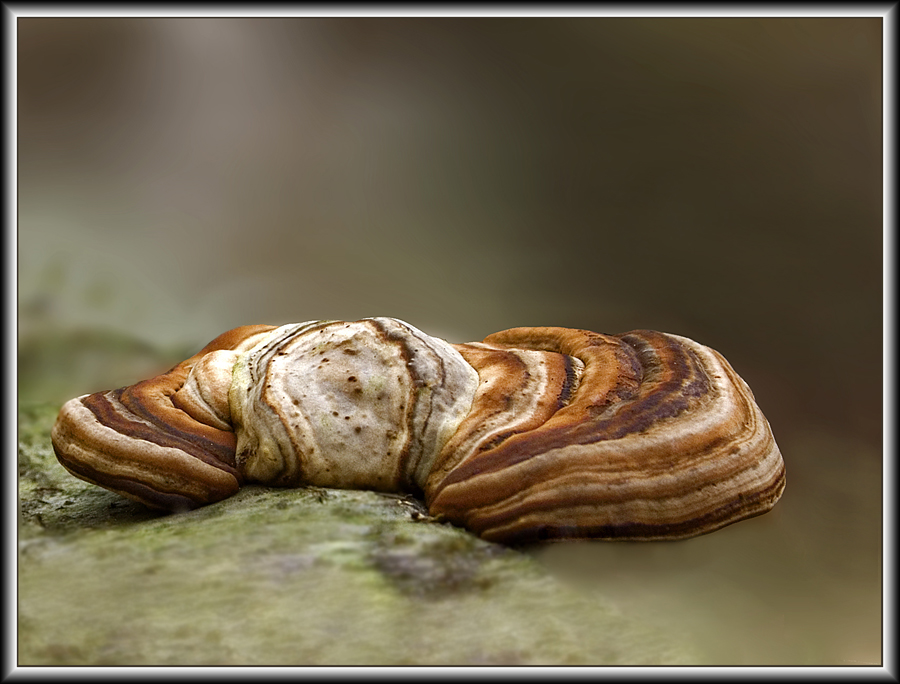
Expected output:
(352, 378)
(334, 413)
(346, 417)
(357, 429)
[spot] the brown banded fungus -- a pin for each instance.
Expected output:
(532, 434)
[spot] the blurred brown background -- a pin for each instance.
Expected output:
(716, 178)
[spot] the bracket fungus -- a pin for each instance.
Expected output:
(532, 434)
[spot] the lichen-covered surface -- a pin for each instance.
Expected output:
(289, 577)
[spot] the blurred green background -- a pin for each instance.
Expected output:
(719, 178)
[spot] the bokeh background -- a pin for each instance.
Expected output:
(719, 178)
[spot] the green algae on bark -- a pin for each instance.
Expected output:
(288, 577)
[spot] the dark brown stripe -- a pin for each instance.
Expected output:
(679, 380)
(563, 497)
(569, 385)
(741, 507)
(162, 435)
(594, 350)
(144, 493)
(683, 380)
(510, 376)
(407, 354)
(218, 444)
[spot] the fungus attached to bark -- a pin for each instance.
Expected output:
(532, 434)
